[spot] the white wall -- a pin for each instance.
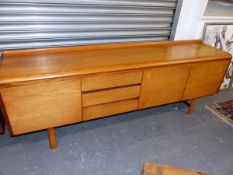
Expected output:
(191, 23)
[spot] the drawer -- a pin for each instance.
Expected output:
(42, 105)
(110, 95)
(111, 80)
(107, 109)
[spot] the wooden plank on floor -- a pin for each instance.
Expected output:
(155, 169)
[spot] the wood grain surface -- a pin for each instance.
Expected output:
(163, 85)
(18, 66)
(205, 79)
(111, 80)
(110, 95)
(42, 105)
(103, 110)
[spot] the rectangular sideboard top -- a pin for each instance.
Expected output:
(35, 64)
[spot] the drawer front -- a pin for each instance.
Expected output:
(110, 95)
(111, 80)
(42, 105)
(107, 109)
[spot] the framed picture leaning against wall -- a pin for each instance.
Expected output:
(220, 35)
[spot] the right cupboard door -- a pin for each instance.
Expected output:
(205, 79)
(163, 85)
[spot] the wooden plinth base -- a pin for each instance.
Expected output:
(52, 138)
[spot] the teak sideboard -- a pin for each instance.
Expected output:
(47, 88)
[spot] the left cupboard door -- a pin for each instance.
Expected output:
(42, 104)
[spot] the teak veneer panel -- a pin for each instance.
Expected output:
(111, 80)
(42, 105)
(110, 95)
(205, 79)
(46, 88)
(34, 64)
(163, 85)
(103, 110)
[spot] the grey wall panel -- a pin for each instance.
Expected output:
(43, 23)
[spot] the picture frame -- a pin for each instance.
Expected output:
(220, 35)
(218, 9)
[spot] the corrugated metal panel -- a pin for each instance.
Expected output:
(43, 23)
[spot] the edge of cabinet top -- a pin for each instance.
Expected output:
(34, 64)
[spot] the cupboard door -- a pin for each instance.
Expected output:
(163, 85)
(205, 79)
(42, 105)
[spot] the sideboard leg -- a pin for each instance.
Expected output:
(52, 138)
(2, 124)
(192, 105)
(1, 128)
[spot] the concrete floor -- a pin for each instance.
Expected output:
(119, 145)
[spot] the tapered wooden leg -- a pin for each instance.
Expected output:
(1, 128)
(52, 138)
(192, 105)
(2, 124)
